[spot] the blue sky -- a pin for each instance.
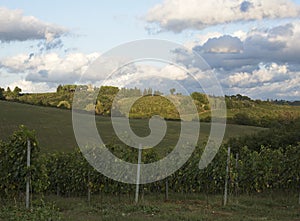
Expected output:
(96, 25)
(82, 30)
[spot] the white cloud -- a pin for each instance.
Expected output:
(201, 39)
(173, 72)
(264, 75)
(287, 89)
(137, 72)
(240, 34)
(14, 26)
(268, 81)
(163, 77)
(178, 15)
(49, 67)
(32, 87)
(224, 44)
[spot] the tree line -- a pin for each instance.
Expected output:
(241, 109)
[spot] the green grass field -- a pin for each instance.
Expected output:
(55, 132)
(184, 207)
(278, 207)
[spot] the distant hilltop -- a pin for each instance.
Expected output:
(240, 109)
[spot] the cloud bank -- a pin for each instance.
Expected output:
(263, 63)
(179, 15)
(280, 44)
(14, 26)
(50, 67)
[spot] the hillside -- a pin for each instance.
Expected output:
(55, 133)
(241, 110)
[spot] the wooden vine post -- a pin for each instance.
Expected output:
(226, 179)
(237, 175)
(89, 188)
(167, 190)
(138, 174)
(28, 174)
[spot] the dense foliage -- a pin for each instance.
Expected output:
(70, 174)
(257, 171)
(13, 157)
(278, 136)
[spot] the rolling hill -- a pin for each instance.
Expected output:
(55, 133)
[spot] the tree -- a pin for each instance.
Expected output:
(2, 93)
(108, 90)
(99, 108)
(202, 98)
(158, 93)
(9, 95)
(59, 88)
(172, 91)
(145, 92)
(17, 91)
(149, 91)
(243, 119)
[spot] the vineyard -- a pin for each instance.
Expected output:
(160, 110)
(268, 170)
(70, 175)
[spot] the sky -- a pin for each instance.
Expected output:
(253, 46)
